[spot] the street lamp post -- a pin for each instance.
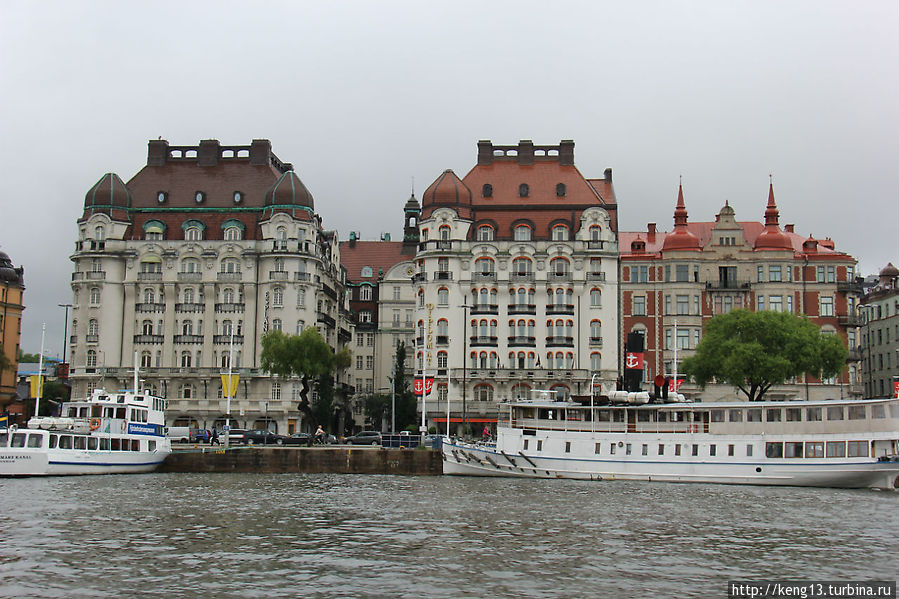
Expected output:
(65, 331)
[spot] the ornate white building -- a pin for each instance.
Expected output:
(206, 243)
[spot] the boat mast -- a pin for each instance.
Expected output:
(40, 373)
(135, 374)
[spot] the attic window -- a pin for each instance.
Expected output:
(366, 271)
(238, 196)
(638, 246)
(524, 190)
(199, 197)
(161, 196)
(487, 190)
(560, 190)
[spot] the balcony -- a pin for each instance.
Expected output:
(557, 276)
(344, 335)
(517, 341)
(278, 275)
(727, 285)
(485, 309)
(226, 339)
(229, 307)
(559, 309)
(149, 276)
(850, 287)
(189, 307)
(850, 320)
(854, 355)
(327, 319)
(522, 308)
(595, 341)
(476, 340)
(442, 339)
(301, 276)
(149, 307)
(595, 245)
(92, 338)
(148, 339)
(96, 275)
(329, 291)
(188, 339)
(596, 276)
(190, 277)
(77, 276)
(443, 275)
(521, 277)
(420, 277)
(233, 277)
(560, 342)
(483, 276)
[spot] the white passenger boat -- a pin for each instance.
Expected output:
(831, 443)
(108, 433)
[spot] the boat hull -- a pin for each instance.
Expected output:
(483, 460)
(25, 462)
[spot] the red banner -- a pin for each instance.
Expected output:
(895, 388)
(633, 360)
(675, 386)
(428, 385)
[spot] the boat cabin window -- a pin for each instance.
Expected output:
(814, 449)
(525, 444)
(717, 415)
(856, 449)
(754, 415)
(92, 443)
(836, 449)
(792, 450)
(603, 416)
(735, 415)
(567, 446)
(65, 442)
(54, 439)
(108, 412)
(695, 449)
(70, 412)
(18, 440)
(120, 413)
(120, 399)
(661, 449)
(678, 416)
(627, 449)
(539, 445)
(104, 444)
(794, 414)
(104, 398)
(774, 450)
(713, 450)
(84, 412)
(80, 443)
(677, 449)
(151, 445)
(643, 416)
(835, 413)
(612, 448)
(813, 414)
(661, 416)
(115, 444)
(878, 411)
(748, 451)
(773, 414)
(857, 413)
(96, 411)
(730, 450)
(35, 440)
(618, 416)
(596, 448)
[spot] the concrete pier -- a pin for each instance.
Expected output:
(304, 460)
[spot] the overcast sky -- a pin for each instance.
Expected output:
(364, 97)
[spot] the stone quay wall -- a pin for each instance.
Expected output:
(302, 460)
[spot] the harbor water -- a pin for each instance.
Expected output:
(336, 536)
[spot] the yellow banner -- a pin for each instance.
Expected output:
(229, 390)
(34, 385)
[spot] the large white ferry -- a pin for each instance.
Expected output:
(108, 433)
(831, 443)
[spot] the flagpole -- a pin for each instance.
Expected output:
(40, 373)
(675, 358)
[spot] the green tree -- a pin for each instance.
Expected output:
(29, 358)
(755, 350)
(406, 405)
(377, 408)
(306, 355)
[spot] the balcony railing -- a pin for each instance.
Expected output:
(96, 275)
(226, 339)
(229, 307)
(327, 319)
(278, 275)
(558, 276)
(190, 276)
(149, 338)
(301, 276)
(149, 276)
(483, 276)
(596, 276)
(522, 308)
(228, 276)
(523, 277)
(595, 245)
(850, 320)
(188, 339)
(728, 284)
(517, 341)
(478, 340)
(485, 309)
(595, 341)
(190, 307)
(419, 277)
(442, 339)
(560, 341)
(92, 338)
(443, 275)
(143, 307)
(560, 308)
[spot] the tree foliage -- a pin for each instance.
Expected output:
(306, 355)
(755, 350)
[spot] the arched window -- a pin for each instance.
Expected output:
(559, 266)
(485, 233)
(149, 296)
(188, 295)
(595, 298)
(95, 296)
(227, 295)
(595, 232)
(487, 190)
(146, 360)
(522, 233)
(494, 360)
(146, 327)
(532, 359)
(187, 328)
(596, 331)
(562, 392)
(185, 359)
(231, 265)
(99, 233)
(421, 298)
(190, 265)
(226, 327)
(443, 296)
(442, 327)
(279, 264)
(596, 361)
(91, 358)
(483, 392)
(560, 190)
(444, 232)
(484, 266)
(233, 234)
(193, 234)
(441, 359)
(482, 360)
(524, 190)
(521, 391)
(365, 293)
(560, 233)
(522, 266)
(281, 238)
(278, 296)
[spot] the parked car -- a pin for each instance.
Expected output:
(365, 438)
(263, 438)
(236, 436)
(298, 439)
(178, 434)
(200, 435)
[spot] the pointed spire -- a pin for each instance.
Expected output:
(772, 214)
(680, 211)
(681, 237)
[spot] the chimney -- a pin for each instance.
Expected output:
(651, 232)
(157, 152)
(566, 152)
(789, 228)
(261, 152)
(485, 152)
(525, 152)
(608, 174)
(208, 154)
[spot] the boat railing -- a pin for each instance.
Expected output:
(611, 427)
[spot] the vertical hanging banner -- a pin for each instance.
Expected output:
(229, 390)
(427, 384)
(37, 385)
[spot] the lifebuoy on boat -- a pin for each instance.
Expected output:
(94, 423)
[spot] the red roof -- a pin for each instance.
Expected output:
(379, 255)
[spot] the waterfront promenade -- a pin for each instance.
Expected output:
(304, 460)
